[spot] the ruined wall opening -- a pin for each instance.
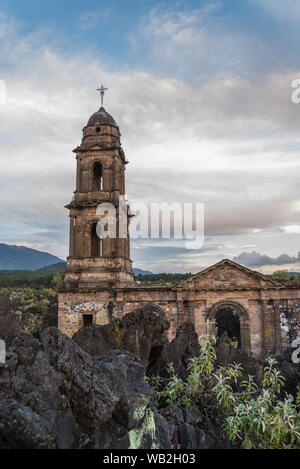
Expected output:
(231, 316)
(227, 320)
(97, 179)
(87, 320)
(96, 242)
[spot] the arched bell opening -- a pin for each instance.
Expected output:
(97, 177)
(96, 242)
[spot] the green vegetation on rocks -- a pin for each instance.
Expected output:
(252, 416)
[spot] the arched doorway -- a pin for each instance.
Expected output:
(227, 320)
(231, 316)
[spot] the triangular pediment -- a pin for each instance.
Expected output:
(227, 275)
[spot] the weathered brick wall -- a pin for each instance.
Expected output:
(72, 307)
(263, 314)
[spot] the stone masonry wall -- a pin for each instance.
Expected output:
(72, 307)
(263, 315)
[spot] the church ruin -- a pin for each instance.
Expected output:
(99, 284)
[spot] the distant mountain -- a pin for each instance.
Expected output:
(142, 272)
(20, 257)
(59, 267)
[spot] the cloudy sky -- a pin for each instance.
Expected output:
(201, 91)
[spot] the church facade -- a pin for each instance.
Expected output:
(99, 283)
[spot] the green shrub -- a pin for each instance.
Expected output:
(251, 416)
(31, 326)
(57, 281)
(4, 291)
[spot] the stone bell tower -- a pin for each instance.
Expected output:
(95, 265)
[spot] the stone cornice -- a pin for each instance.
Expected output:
(85, 149)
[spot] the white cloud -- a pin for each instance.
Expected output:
(201, 43)
(255, 259)
(229, 142)
(292, 229)
(287, 10)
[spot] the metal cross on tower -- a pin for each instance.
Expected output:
(102, 92)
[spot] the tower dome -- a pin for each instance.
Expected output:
(102, 117)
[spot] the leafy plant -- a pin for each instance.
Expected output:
(57, 281)
(251, 416)
(31, 326)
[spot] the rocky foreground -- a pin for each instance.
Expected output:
(90, 391)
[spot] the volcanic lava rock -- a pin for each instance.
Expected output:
(55, 395)
(289, 370)
(142, 332)
(183, 347)
(91, 392)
